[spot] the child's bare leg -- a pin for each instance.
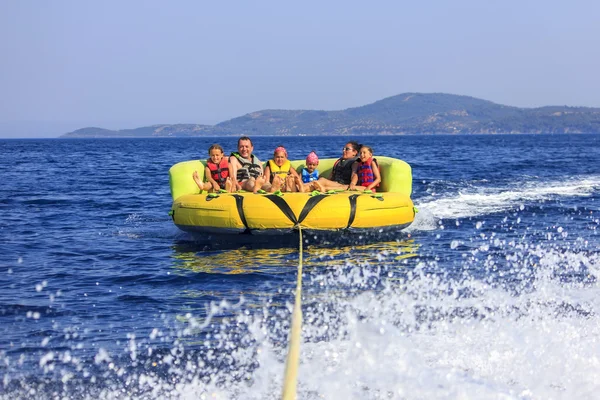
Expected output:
(277, 183)
(228, 184)
(297, 183)
(290, 184)
(201, 185)
(315, 185)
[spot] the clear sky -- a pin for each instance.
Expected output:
(120, 64)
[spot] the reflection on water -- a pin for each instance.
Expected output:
(236, 261)
(234, 279)
(246, 260)
(289, 238)
(392, 250)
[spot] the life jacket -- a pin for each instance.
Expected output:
(342, 170)
(282, 171)
(250, 167)
(365, 172)
(219, 172)
(309, 176)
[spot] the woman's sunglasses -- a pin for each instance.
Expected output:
(348, 149)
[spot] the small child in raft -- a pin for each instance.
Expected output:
(310, 173)
(280, 173)
(365, 171)
(216, 172)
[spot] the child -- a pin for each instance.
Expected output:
(280, 173)
(365, 171)
(216, 172)
(310, 173)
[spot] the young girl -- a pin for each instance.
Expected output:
(280, 173)
(365, 171)
(310, 173)
(216, 171)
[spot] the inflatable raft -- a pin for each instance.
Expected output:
(270, 214)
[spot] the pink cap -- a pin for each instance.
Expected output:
(280, 149)
(312, 158)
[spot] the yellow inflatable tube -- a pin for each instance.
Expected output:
(224, 213)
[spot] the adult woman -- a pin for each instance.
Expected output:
(341, 174)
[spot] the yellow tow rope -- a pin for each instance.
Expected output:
(293, 359)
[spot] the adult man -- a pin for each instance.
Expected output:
(245, 167)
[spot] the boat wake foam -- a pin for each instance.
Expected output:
(479, 201)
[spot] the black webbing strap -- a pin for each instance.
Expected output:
(280, 202)
(310, 204)
(283, 206)
(239, 203)
(352, 209)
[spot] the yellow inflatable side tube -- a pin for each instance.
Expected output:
(264, 213)
(396, 175)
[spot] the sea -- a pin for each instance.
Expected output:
(492, 293)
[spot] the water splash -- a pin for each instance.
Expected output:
(482, 200)
(518, 324)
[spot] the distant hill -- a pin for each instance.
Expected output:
(408, 113)
(177, 130)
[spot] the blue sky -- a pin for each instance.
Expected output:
(124, 64)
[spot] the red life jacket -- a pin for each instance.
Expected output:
(365, 172)
(219, 172)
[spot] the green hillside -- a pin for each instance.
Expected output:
(408, 113)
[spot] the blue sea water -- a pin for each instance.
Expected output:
(491, 293)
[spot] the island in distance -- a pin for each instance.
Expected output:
(403, 114)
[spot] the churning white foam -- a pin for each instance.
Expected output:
(426, 337)
(379, 326)
(485, 200)
(373, 332)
